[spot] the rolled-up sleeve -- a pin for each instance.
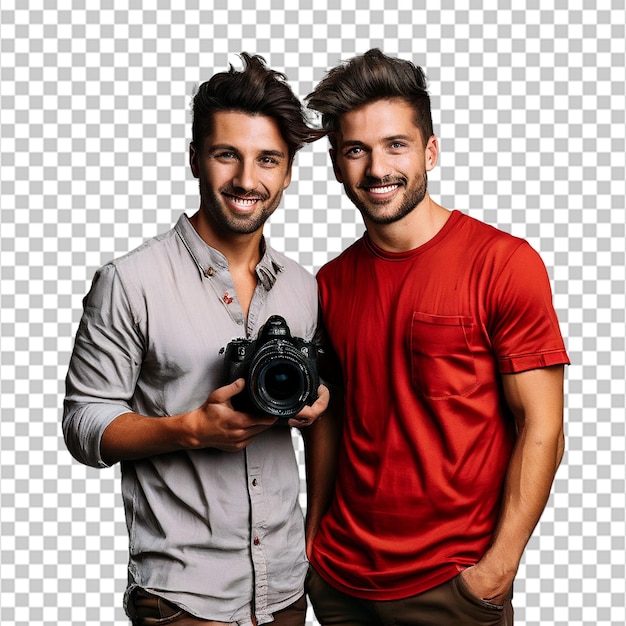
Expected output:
(104, 366)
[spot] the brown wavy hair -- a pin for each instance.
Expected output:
(367, 78)
(255, 90)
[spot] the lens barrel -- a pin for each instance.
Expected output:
(279, 380)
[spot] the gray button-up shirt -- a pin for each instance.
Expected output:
(219, 533)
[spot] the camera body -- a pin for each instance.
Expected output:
(280, 371)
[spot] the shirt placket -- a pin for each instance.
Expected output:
(256, 486)
(258, 530)
(257, 305)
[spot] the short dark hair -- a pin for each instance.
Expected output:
(367, 78)
(256, 90)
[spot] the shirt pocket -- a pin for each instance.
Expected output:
(442, 363)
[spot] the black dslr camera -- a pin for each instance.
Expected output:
(280, 371)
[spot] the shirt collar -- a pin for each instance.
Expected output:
(209, 260)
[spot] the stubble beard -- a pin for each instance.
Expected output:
(227, 222)
(371, 210)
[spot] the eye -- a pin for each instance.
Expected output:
(397, 145)
(353, 152)
(268, 161)
(226, 155)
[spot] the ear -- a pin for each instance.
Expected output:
(193, 159)
(431, 153)
(333, 158)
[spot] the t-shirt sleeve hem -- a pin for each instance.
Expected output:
(524, 362)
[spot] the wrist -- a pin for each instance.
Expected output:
(499, 565)
(181, 430)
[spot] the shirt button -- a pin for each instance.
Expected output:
(255, 482)
(256, 541)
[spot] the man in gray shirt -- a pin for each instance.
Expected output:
(210, 493)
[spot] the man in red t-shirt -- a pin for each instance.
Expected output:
(452, 366)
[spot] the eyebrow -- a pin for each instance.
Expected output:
(222, 146)
(351, 143)
(397, 137)
(264, 153)
(273, 153)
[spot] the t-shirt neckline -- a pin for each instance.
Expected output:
(455, 216)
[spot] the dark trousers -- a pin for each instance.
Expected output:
(450, 604)
(151, 610)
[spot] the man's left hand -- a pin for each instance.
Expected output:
(486, 584)
(310, 413)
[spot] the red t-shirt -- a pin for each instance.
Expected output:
(422, 338)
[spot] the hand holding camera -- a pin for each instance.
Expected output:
(280, 371)
(270, 380)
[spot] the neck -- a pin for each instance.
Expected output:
(412, 231)
(241, 250)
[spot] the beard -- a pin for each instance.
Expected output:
(227, 222)
(373, 211)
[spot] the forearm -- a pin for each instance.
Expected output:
(132, 436)
(100, 434)
(535, 398)
(530, 475)
(83, 424)
(215, 424)
(321, 450)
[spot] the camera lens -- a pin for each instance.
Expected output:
(279, 381)
(280, 386)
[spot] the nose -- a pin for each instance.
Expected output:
(245, 176)
(377, 166)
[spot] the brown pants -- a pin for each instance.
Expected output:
(450, 604)
(150, 610)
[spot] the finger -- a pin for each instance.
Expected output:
(250, 421)
(299, 421)
(323, 396)
(261, 423)
(225, 393)
(244, 434)
(318, 407)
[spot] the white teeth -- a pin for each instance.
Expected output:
(245, 202)
(383, 189)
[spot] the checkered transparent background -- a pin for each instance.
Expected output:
(529, 106)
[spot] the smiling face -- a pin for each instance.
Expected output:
(380, 158)
(243, 168)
